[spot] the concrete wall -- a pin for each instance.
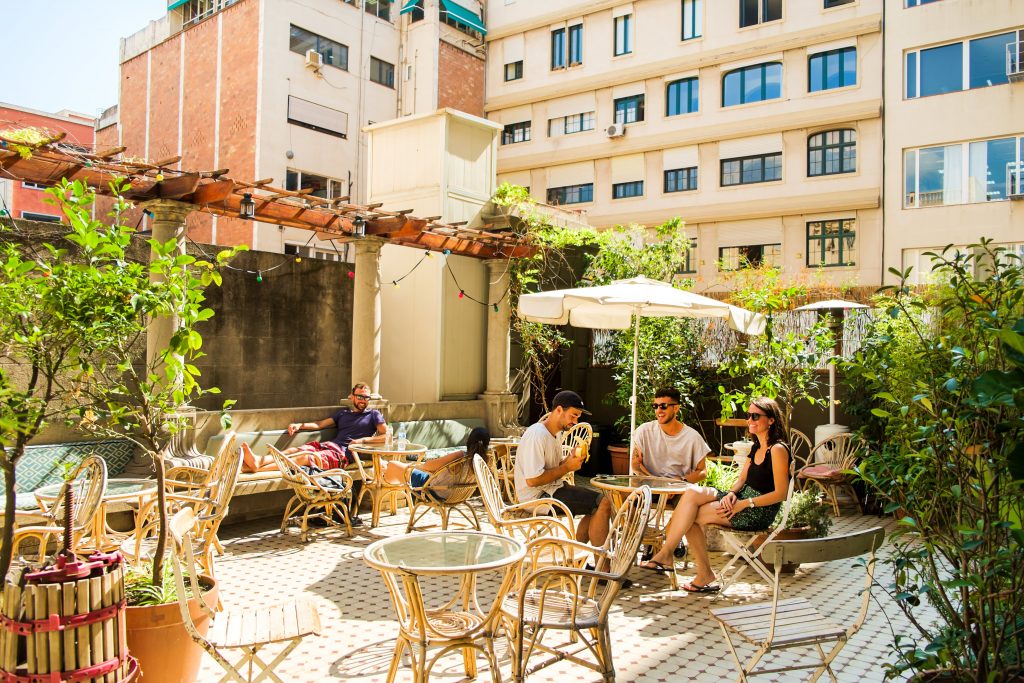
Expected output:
(281, 342)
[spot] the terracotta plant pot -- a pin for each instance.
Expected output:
(620, 459)
(158, 639)
(797, 534)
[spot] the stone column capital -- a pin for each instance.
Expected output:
(368, 245)
(498, 266)
(168, 210)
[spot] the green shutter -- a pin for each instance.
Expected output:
(175, 4)
(466, 16)
(408, 6)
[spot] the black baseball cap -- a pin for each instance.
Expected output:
(568, 399)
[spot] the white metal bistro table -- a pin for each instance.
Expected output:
(618, 486)
(464, 621)
(372, 474)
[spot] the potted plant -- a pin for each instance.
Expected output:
(808, 518)
(945, 388)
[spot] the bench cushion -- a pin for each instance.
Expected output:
(439, 436)
(45, 464)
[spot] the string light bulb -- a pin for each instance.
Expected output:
(495, 308)
(298, 259)
(395, 283)
(462, 294)
(259, 276)
(351, 275)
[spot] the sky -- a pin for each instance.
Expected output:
(63, 54)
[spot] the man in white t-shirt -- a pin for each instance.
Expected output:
(540, 470)
(665, 447)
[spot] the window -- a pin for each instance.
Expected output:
(323, 254)
(321, 186)
(33, 186)
(40, 217)
(332, 52)
(761, 168)
(416, 13)
(976, 63)
(915, 3)
(514, 71)
(458, 24)
(623, 34)
(832, 69)
(571, 194)
(625, 190)
(382, 72)
(759, 11)
(317, 117)
(831, 152)
(516, 132)
(693, 19)
(690, 259)
(574, 123)
(575, 44)
(734, 258)
(378, 8)
(830, 243)
(629, 109)
(681, 179)
(558, 48)
(195, 11)
(936, 176)
(829, 4)
(752, 84)
(681, 97)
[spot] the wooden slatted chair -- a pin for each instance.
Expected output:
(796, 622)
(246, 631)
(89, 480)
(836, 456)
(311, 494)
(747, 547)
(574, 600)
(446, 491)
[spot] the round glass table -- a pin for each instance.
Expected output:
(372, 473)
(466, 621)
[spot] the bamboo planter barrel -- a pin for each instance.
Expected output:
(67, 623)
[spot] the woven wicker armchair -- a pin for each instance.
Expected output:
(310, 494)
(835, 455)
(573, 599)
(522, 521)
(89, 481)
(446, 491)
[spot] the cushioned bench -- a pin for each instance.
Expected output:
(45, 464)
(439, 436)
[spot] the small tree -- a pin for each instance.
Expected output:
(73, 321)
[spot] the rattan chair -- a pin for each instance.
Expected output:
(800, 449)
(312, 494)
(445, 491)
(835, 457)
(796, 622)
(573, 600)
(523, 521)
(89, 481)
(245, 631)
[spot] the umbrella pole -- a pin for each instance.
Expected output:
(832, 393)
(632, 399)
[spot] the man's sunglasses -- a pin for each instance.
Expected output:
(663, 406)
(365, 397)
(755, 416)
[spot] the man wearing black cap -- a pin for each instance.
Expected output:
(540, 470)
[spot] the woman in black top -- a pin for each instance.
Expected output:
(750, 505)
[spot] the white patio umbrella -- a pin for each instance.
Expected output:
(832, 305)
(615, 306)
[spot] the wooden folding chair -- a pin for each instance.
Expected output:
(446, 491)
(796, 622)
(246, 630)
(573, 600)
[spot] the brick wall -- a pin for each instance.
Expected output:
(460, 80)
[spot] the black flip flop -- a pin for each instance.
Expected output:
(658, 567)
(694, 588)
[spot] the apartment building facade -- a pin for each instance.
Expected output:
(26, 200)
(954, 158)
(758, 122)
(282, 89)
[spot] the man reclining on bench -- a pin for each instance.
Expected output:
(355, 425)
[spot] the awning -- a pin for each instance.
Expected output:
(409, 6)
(467, 16)
(174, 4)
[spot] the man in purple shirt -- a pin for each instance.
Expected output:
(355, 425)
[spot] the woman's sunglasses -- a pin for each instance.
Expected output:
(755, 416)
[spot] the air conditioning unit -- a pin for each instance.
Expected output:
(314, 60)
(616, 130)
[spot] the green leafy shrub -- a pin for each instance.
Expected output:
(807, 510)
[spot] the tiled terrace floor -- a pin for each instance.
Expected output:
(659, 635)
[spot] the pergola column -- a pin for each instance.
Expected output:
(500, 402)
(366, 314)
(168, 223)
